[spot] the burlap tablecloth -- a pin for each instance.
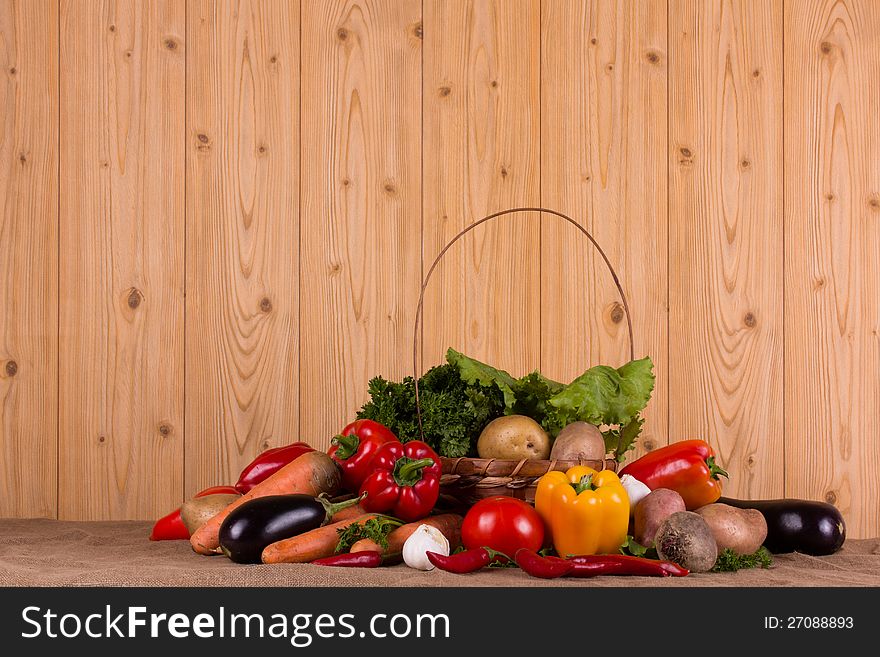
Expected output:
(54, 553)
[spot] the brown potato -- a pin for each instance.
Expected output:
(513, 437)
(652, 510)
(741, 530)
(199, 510)
(579, 441)
(685, 538)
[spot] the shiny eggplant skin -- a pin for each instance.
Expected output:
(265, 520)
(814, 528)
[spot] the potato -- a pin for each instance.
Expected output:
(579, 440)
(652, 510)
(513, 437)
(741, 530)
(199, 510)
(685, 538)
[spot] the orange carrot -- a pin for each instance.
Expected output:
(311, 473)
(315, 544)
(449, 525)
(349, 513)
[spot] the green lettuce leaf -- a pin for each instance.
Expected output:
(473, 372)
(602, 396)
(533, 391)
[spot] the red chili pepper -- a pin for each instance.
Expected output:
(354, 449)
(268, 463)
(171, 527)
(367, 559)
(620, 564)
(465, 562)
(687, 467)
(545, 567)
(405, 481)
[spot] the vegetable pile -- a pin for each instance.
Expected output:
(460, 398)
(374, 498)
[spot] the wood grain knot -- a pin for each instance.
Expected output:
(874, 203)
(165, 429)
(112, 28)
(649, 444)
(687, 156)
(11, 368)
(504, 172)
(749, 319)
(346, 182)
(653, 57)
(829, 196)
(170, 44)
(13, 70)
(831, 497)
(609, 68)
(342, 34)
(266, 444)
(745, 164)
(204, 142)
(102, 439)
(135, 296)
(826, 47)
(262, 149)
(494, 84)
(389, 188)
(22, 158)
(751, 460)
(756, 73)
(593, 41)
(616, 313)
(819, 283)
(444, 91)
(265, 304)
(417, 31)
(128, 54)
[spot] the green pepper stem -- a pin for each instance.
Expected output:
(332, 508)
(346, 446)
(586, 483)
(714, 470)
(408, 472)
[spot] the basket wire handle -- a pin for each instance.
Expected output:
(419, 309)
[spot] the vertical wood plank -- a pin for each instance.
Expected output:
(122, 231)
(28, 257)
(242, 234)
(603, 161)
(482, 154)
(832, 239)
(361, 236)
(725, 236)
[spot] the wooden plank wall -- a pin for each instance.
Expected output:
(215, 216)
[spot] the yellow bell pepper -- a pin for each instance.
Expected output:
(586, 512)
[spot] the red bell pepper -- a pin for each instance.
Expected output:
(687, 467)
(405, 481)
(171, 527)
(354, 449)
(268, 463)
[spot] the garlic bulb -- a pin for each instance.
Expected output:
(635, 490)
(424, 539)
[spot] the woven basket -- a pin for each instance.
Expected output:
(470, 479)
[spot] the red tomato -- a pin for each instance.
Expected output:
(502, 523)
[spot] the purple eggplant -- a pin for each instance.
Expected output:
(814, 528)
